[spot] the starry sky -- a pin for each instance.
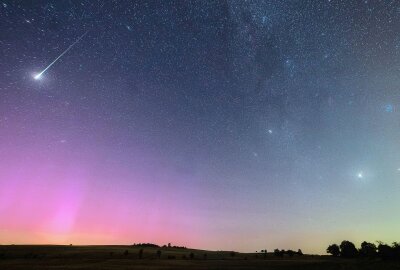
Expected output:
(235, 125)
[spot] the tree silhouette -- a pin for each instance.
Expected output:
(334, 250)
(290, 253)
(396, 250)
(348, 249)
(299, 252)
(368, 249)
(265, 253)
(385, 251)
(279, 253)
(145, 245)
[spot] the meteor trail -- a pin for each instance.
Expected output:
(39, 75)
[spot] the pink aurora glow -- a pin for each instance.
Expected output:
(59, 197)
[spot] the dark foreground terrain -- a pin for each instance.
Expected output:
(128, 257)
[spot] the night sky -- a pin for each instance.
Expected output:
(235, 125)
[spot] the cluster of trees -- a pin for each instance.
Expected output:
(170, 246)
(264, 251)
(145, 245)
(289, 252)
(157, 246)
(368, 250)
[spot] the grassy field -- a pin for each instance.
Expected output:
(127, 257)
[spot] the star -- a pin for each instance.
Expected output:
(389, 108)
(360, 175)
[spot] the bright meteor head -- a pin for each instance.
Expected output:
(37, 76)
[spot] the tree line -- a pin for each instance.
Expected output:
(157, 246)
(289, 252)
(347, 249)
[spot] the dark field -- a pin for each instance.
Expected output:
(116, 257)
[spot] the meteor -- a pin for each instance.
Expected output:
(39, 75)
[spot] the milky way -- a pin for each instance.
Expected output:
(237, 125)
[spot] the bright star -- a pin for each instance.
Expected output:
(269, 131)
(360, 175)
(389, 108)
